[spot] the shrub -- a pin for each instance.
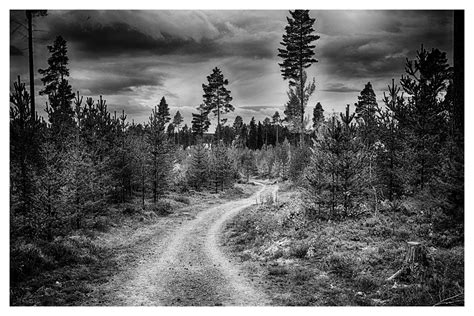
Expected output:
(299, 249)
(366, 283)
(72, 250)
(339, 265)
(27, 260)
(101, 223)
(130, 209)
(161, 208)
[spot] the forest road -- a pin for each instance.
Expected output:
(188, 268)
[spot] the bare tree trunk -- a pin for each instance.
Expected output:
(29, 16)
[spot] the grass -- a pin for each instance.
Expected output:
(314, 262)
(69, 270)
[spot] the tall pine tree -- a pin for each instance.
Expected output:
(297, 54)
(216, 96)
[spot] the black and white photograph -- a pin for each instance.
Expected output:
(235, 157)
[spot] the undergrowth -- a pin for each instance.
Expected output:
(347, 262)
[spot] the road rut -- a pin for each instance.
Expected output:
(187, 268)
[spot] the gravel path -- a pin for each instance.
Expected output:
(187, 267)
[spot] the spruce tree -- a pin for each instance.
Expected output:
(297, 54)
(216, 96)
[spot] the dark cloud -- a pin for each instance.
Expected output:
(116, 77)
(91, 37)
(135, 57)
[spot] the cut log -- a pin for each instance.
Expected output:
(395, 275)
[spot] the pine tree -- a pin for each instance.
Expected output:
(252, 141)
(237, 125)
(259, 135)
(59, 92)
(221, 167)
(159, 162)
(423, 115)
(276, 120)
(335, 177)
(216, 96)
(198, 173)
(366, 109)
(282, 159)
(318, 116)
(297, 54)
(200, 122)
(163, 114)
(177, 121)
(26, 136)
(390, 145)
(247, 161)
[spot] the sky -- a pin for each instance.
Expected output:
(133, 58)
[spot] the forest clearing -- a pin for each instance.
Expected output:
(244, 158)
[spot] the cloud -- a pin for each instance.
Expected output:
(159, 33)
(115, 77)
(255, 108)
(135, 57)
(339, 87)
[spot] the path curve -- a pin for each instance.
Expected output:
(188, 267)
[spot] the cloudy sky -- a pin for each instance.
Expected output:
(133, 58)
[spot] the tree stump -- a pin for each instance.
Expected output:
(415, 260)
(414, 255)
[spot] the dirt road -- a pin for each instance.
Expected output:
(187, 267)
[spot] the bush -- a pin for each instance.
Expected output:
(339, 265)
(72, 250)
(299, 249)
(130, 209)
(366, 283)
(27, 259)
(101, 223)
(160, 208)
